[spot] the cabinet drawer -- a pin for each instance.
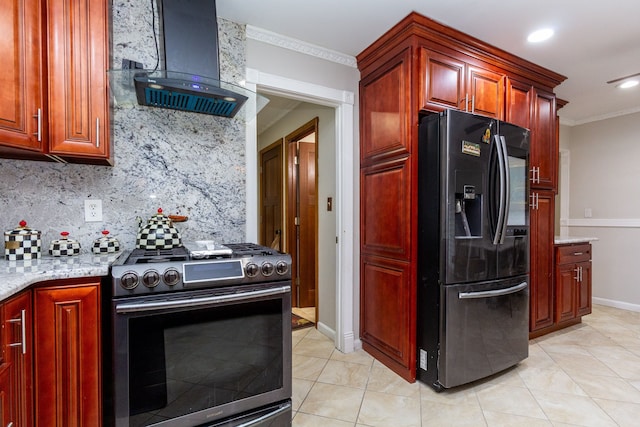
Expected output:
(568, 254)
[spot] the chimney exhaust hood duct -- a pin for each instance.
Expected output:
(190, 80)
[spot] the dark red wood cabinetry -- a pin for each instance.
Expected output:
(573, 282)
(18, 353)
(67, 354)
(541, 295)
(54, 102)
(419, 67)
(50, 359)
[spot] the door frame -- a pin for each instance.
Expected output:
(347, 281)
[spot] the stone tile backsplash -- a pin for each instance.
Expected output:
(185, 163)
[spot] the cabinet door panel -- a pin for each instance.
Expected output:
(387, 328)
(541, 267)
(518, 106)
(442, 78)
(584, 290)
(544, 142)
(78, 107)
(384, 112)
(67, 356)
(20, 357)
(486, 92)
(6, 415)
(385, 204)
(566, 292)
(21, 74)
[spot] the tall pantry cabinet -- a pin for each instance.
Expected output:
(419, 67)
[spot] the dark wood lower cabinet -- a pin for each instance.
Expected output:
(573, 282)
(67, 355)
(541, 295)
(6, 414)
(18, 355)
(386, 317)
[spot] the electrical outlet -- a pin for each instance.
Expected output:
(92, 210)
(588, 212)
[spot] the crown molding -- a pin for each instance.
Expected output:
(269, 37)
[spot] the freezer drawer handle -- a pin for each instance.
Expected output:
(496, 293)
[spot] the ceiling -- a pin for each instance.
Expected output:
(593, 42)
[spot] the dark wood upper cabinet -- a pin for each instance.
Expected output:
(54, 101)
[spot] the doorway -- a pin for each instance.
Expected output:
(302, 213)
(337, 276)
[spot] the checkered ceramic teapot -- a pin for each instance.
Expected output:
(158, 233)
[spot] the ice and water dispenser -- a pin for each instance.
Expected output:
(468, 204)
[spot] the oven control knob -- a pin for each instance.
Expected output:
(267, 269)
(129, 280)
(252, 270)
(150, 278)
(171, 277)
(282, 268)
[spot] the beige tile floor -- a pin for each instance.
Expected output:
(585, 375)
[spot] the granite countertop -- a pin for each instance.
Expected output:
(567, 240)
(18, 275)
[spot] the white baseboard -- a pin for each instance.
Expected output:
(327, 331)
(616, 304)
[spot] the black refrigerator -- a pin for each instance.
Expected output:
(473, 248)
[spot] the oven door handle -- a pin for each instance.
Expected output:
(165, 304)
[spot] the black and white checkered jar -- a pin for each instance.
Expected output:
(22, 243)
(64, 246)
(105, 244)
(158, 233)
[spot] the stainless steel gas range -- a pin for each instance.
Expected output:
(199, 337)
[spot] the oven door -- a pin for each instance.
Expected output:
(206, 356)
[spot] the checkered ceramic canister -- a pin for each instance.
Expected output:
(22, 243)
(105, 244)
(64, 246)
(158, 233)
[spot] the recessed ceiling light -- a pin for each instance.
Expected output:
(540, 35)
(628, 84)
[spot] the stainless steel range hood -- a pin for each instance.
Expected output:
(189, 79)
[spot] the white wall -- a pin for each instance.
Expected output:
(324, 70)
(605, 176)
(326, 176)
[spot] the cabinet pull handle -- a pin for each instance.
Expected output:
(535, 175)
(577, 271)
(97, 132)
(23, 324)
(38, 116)
(534, 201)
(577, 253)
(473, 104)
(580, 274)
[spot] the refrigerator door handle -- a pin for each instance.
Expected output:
(496, 293)
(497, 239)
(507, 187)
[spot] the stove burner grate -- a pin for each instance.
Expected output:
(146, 256)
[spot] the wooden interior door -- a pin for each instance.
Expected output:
(271, 196)
(302, 213)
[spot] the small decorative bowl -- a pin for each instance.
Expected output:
(105, 244)
(64, 246)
